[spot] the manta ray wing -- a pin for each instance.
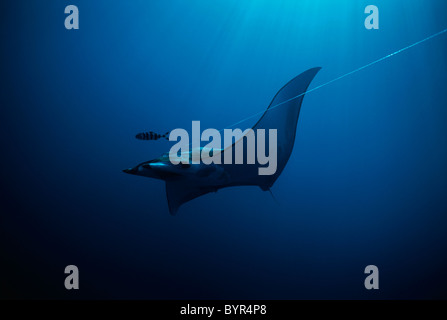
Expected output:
(282, 115)
(180, 191)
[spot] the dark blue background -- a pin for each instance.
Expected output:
(366, 183)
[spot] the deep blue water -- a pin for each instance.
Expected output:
(366, 183)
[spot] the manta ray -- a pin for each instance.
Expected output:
(185, 182)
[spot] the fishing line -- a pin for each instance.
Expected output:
(342, 76)
(338, 78)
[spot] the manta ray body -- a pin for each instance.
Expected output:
(185, 182)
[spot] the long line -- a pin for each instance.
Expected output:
(343, 76)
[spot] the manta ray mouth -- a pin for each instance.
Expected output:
(134, 170)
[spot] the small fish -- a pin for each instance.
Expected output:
(151, 136)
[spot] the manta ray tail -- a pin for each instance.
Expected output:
(274, 198)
